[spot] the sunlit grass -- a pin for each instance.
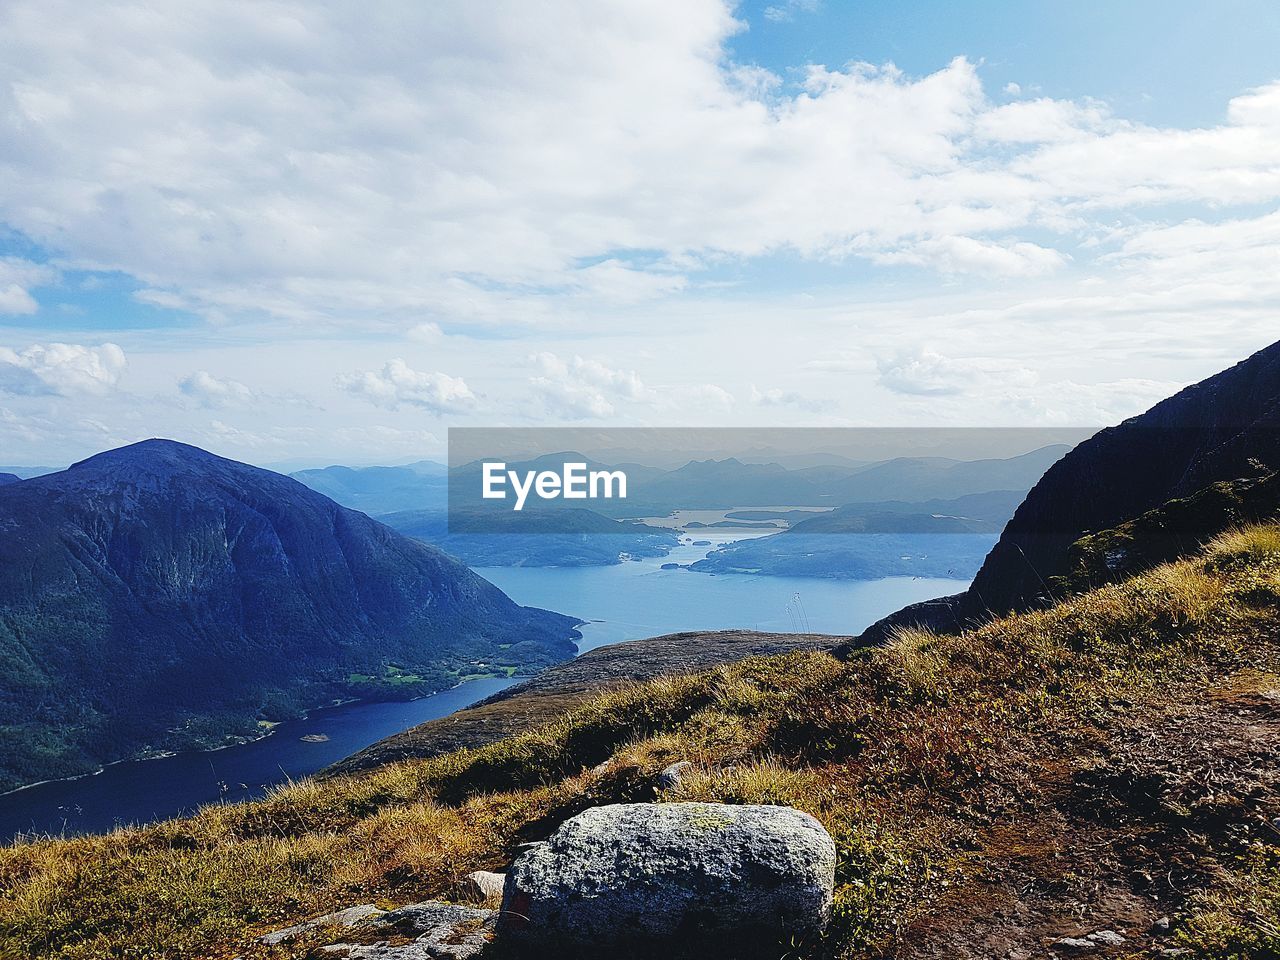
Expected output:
(881, 748)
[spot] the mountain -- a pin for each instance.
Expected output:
(732, 482)
(158, 596)
(1206, 433)
(1223, 429)
(6, 478)
(924, 478)
(376, 490)
(569, 537)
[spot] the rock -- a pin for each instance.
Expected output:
(1161, 926)
(1108, 938)
(737, 879)
(484, 885)
(670, 778)
(339, 918)
(441, 931)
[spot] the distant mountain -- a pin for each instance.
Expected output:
(8, 478)
(1225, 428)
(866, 541)
(732, 482)
(974, 513)
(25, 473)
(925, 478)
(377, 490)
(158, 596)
(576, 537)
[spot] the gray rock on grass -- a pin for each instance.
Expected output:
(628, 877)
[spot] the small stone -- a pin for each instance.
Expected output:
(339, 918)
(670, 778)
(1161, 926)
(442, 931)
(485, 885)
(1107, 938)
(1075, 944)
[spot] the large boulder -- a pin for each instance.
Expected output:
(630, 878)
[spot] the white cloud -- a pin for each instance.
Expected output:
(426, 332)
(967, 255)
(701, 398)
(777, 397)
(60, 369)
(785, 12)
(582, 389)
(348, 168)
(212, 391)
(924, 373)
(397, 385)
(17, 278)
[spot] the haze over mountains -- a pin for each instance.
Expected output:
(158, 596)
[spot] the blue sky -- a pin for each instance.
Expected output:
(1175, 62)
(298, 232)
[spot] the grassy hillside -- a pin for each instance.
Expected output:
(1100, 764)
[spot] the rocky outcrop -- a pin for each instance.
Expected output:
(635, 878)
(420, 931)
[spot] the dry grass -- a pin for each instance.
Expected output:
(902, 752)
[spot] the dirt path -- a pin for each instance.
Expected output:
(1147, 810)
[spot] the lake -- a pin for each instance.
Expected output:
(623, 602)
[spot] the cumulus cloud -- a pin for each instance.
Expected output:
(211, 391)
(397, 385)
(581, 388)
(336, 165)
(927, 373)
(60, 369)
(17, 277)
(777, 397)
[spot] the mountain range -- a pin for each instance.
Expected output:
(158, 597)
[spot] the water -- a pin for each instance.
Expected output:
(624, 602)
(146, 790)
(639, 599)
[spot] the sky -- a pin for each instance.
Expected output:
(301, 233)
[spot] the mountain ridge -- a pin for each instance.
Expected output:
(158, 596)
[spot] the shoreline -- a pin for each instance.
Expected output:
(269, 732)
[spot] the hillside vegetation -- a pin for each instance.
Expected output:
(1099, 764)
(157, 597)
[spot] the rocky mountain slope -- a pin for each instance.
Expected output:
(158, 596)
(1222, 429)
